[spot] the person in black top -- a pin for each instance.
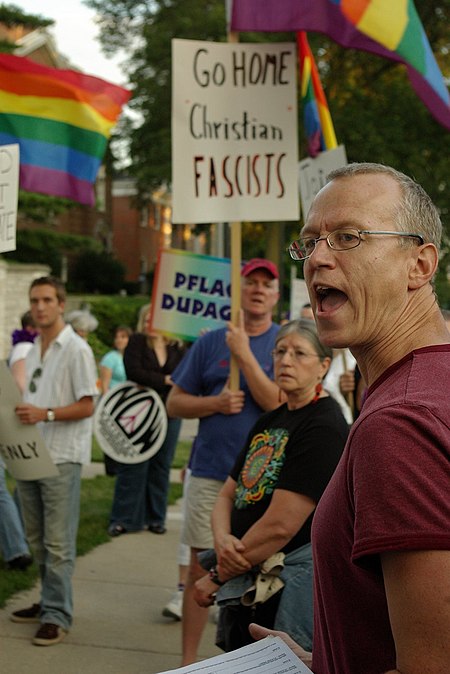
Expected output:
(141, 489)
(268, 501)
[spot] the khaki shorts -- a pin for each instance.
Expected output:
(200, 497)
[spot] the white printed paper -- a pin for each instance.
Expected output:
(268, 656)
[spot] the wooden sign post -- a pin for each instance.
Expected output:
(236, 254)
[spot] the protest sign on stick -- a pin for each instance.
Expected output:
(234, 139)
(191, 293)
(234, 132)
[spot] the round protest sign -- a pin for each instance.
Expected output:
(130, 423)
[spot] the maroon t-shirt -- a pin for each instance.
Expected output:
(390, 492)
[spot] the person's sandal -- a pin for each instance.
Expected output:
(116, 530)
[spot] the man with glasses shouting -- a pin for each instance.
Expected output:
(381, 532)
(59, 394)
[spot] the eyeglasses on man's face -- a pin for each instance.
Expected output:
(340, 239)
(36, 374)
(296, 354)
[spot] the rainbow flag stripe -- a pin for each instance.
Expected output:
(389, 28)
(61, 120)
(319, 127)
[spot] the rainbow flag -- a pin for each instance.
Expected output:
(319, 127)
(62, 120)
(389, 28)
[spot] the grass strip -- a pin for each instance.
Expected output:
(96, 500)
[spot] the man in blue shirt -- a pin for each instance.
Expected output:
(201, 390)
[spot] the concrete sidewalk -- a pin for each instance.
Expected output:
(120, 589)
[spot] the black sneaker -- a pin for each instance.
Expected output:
(27, 615)
(19, 563)
(49, 634)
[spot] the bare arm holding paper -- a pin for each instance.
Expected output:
(258, 632)
(271, 655)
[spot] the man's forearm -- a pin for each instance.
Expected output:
(188, 406)
(30, 414)
(79, 410)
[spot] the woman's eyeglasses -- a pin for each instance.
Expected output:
(296, 354)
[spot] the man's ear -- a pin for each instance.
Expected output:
(423, 266)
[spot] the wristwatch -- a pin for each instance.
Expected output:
(213, 575)
(50, 415)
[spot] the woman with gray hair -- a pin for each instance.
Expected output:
(267, 503)
(82, 321)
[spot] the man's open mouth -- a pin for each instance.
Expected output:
(329, 299)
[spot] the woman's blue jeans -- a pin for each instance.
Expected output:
(141, 489)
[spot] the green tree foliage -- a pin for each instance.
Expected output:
(97, 272)
(114, 311)
(379, 118)
(11, 16)
(376, 114)
(44, 246)
(149, 26)
(110, 311)
(42, 208)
